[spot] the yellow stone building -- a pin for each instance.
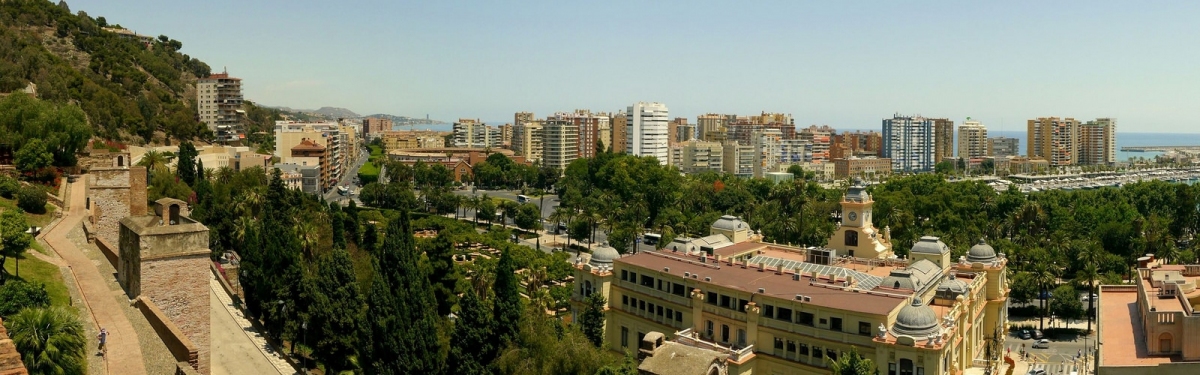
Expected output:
(776, 309)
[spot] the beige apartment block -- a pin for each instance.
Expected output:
(972, 140)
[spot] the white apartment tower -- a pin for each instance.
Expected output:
(972, 140)
(219, 101)
(560, 142)
(909, 142)
(646, 135)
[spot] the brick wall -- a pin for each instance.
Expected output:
(179, 287)
(181, 347)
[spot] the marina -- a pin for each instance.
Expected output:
(1089, 181)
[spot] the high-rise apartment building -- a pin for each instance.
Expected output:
(712, 127)
(909, 142)
(506, 134)
(560, 141)
(1054, 139)
(219, 101)
(821, 138)
(604, 131)
(739, 159)
(767, 150)
(943, 139)
(618, 123)
(588, 127)
(972, 140)
(1004, 146)
(522, 117)
(1098, 142)
(373, 127)
(679, 131)
(527, 140)
(646, 131)
(474, 134)
(858, 143)
(698, 157)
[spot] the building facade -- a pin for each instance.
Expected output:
(972, 140)
(219, 101)
(1053, 139)
(620, 130)
(374, 127)
(1151, 327)
(1003, 146)
(698, 157)
(943, 139)
(527, 140)
(1098, 142)
(711, 126)
(909, 142)
(866, 167)
(820, 137)
(739, 159)
(646, 131)
(560, 142)
(792, 310)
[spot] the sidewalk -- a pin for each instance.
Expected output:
(124, 352)
(270, 358)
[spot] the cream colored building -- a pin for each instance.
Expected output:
(560, 143)
(972, 140)
(697, 157)
(777, 309)
(1053, 139)
(527, 140)
(1098, 142)
(1151, 327)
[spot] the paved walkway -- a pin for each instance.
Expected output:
(124, 353)
(238, 347)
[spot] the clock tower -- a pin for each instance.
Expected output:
(857, 235)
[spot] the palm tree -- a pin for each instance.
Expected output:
(250, 203)
(1043, 275)
(153, 160)
(240, 227)
(306, 232)
(1090, 254)
(51, 340)
(852, 363)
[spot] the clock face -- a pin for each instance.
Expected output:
(853, 216)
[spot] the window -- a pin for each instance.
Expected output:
(892, 368)
(741, 306)
(805, 319)
(784, 314)
(624, 337)
(851, 238)
(650, 307)
(677, 289)
(638, 339)
(906, 366)
(816, 351)
(835, 324)
(864, 328)
(658, 310)
(823, 321)
(769, 312)
(670, 313)
(647, 281)
(920, 371)
(741, 336)
(833, 355)
(633, 277)
(725, 302)
(642, 305)
(708, 328)
(624, 300)
(711, 298)
(659, 287)
(679, 316)
(778, 343)
(624, 275)
(803, 349)
(724, 333)
(791, 346)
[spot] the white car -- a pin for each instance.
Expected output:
(1042, 344)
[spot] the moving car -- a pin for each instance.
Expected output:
(1025, 335)
(1037, 334)
(1042, 344)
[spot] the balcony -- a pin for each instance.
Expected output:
(736, 353)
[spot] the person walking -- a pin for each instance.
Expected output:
(103, 337)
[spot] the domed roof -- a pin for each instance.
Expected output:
(857, 192)
(952, 285)
(603, 256)
(981, 253)
(930, 245)
(730, 223)
(916, 320)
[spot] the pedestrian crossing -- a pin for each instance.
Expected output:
(1055, 368)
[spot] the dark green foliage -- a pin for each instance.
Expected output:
(16, 295)
(42, 133)
(528, 216)
(33, 156)
(50, 340)
(592, 319)
(9, 187)
(507, 302)
(404, 327)
(370, 238)
(1065, 303)
(31, 200)
(444, 275)
(186, 163)
(337, 312)
(471, 347)
(580, 230)
(498, 171)
(853, 363)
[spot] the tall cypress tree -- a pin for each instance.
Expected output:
(336, 313)
(370, 238)
(472, 349)
(592, 319)
(336, 225)
(444, 275)
(404, 326)
(507, 302)
(186, 163)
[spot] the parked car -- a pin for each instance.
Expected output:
(1037, 334)
(1025, 335)
(1042, 344)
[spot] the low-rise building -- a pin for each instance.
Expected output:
(697, 157)
(738, 159)
(862, 167)
(1150, 327)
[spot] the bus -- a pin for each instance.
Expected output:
(522, 199)
(651, 239)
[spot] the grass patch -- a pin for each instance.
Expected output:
(40, 220)
(368, 173)
(37, 271)
(376, 152)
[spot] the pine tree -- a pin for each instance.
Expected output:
(507, 302)
(404, 326)
(592, 319)
(472, 349)
(336, 312)
(370, 238)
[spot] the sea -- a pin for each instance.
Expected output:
(1123, 138)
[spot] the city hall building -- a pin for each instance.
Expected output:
(774, 309)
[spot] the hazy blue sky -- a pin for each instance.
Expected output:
(846, 63)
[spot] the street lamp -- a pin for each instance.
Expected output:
(304, 327)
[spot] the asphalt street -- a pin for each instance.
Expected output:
(350, 175)
(1060, 351)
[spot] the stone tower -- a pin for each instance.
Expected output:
(164, 259)
(857, 236)
(115, 190)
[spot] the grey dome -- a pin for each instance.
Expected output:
(603, 256)
(952, 287)
(730, 223)
(916, 320)
(981, 253)
(930, 245)
(857, 193)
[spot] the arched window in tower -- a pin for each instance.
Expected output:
(851, 238)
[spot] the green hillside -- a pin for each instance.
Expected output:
(129, 89)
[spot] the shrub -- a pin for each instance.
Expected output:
(8, 187)
(16, 295)
(32, 200)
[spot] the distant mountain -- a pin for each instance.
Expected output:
(405, 120)
(329, 113)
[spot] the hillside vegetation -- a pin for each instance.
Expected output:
(129, 90)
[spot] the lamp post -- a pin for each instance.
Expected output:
(304, 327)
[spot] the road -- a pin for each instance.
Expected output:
(236, 353)
(1061, 350)
(546, 203)
(347, 178)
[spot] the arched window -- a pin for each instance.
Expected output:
(851, 238)
(906, 366)
(1164, 342)
(120, 160)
